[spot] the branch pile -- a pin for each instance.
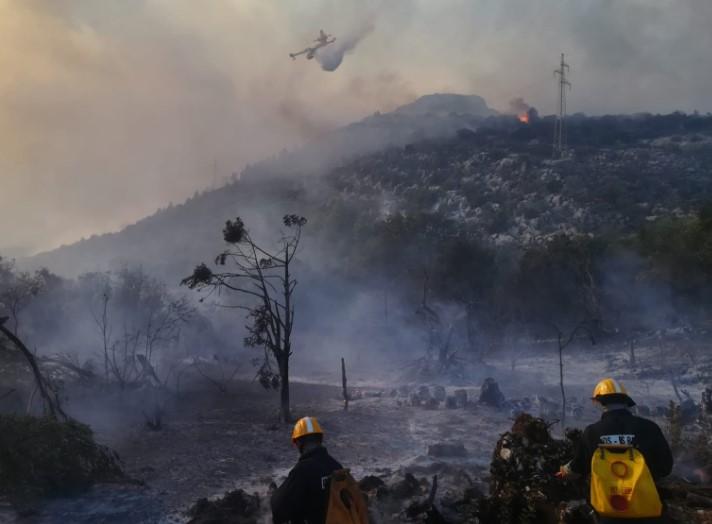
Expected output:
(523, 488)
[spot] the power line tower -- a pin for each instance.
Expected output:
(560, 123)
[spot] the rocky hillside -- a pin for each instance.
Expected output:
(503, 183)
(492, 174)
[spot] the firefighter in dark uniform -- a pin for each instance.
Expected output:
(619, 427)
(304, 496)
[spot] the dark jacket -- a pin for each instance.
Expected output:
(304, 495)
(620, 426)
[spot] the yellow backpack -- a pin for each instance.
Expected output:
(347, 505)
(621, 484)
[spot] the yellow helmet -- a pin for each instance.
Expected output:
(306, 426)
(611, 388)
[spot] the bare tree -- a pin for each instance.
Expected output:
(16, 291)
(265, 278)
(102, 322)
(223, 375)
(563, 341)
(148, 318)
(49, 395)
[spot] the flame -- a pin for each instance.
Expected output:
(523, 118)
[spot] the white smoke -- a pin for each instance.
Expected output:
(331, 56)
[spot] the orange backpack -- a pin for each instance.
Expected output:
(347, 505)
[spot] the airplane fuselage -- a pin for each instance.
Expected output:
(311, 51)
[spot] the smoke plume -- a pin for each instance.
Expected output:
(330, 57)
(518, 106)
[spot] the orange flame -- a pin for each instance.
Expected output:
(523, 118)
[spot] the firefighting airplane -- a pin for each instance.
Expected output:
(321, 41)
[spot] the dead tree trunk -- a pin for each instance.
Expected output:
(285, 414)
(344, 391)
(563, 344)
(561, 381)
(51, 402)
(444, 351)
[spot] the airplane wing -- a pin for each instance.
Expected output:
(295, 55)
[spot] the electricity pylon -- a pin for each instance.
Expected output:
(560, 123)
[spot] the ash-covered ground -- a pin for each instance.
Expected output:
(212, 442)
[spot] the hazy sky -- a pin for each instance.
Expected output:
(110, 109)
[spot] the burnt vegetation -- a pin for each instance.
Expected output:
(468, 249)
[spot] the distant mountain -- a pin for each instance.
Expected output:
(429, 117)
(445, 105)
(492, 175)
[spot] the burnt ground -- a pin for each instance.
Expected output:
(213, 442)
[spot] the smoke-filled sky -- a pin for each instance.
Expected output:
(111, 109)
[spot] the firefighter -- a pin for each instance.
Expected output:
(617, 430)
(304, 496)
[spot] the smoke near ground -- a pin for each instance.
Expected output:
(518, 106)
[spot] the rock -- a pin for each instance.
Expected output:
(431, 403)
(439, 393)
(370, 483)
(452, 449)
(451, 402)
(490, 394)
(460, 397)
(424, 393)
(236, 507)
(406, 488)
(414, 400)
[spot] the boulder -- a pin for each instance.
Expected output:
(490, 394)
(460, 397)
(439, 393)
(424, 393)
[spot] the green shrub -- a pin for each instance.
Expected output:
(42, 457)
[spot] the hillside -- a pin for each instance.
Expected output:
(496, 178)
